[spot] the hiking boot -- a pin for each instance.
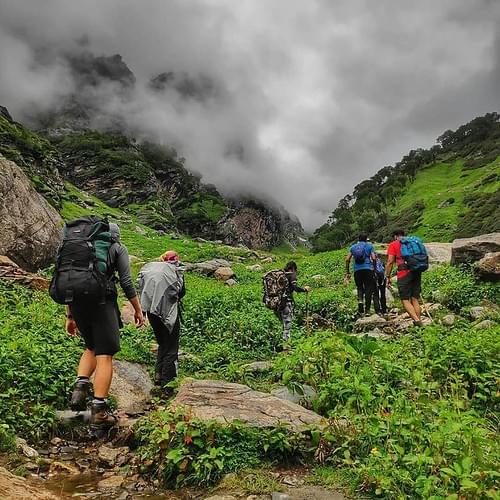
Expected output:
(418, 324)
(81, 395)
(101, 416)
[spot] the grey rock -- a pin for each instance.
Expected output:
(485, 324)
(439, 253)
(469, 250)
(305, 395)
(230, 282)
(131, 386)
(258, 366)
(225, 402)
(255, 267)
(207, 267)
(30, 229)
(448, 320)
(26, 450)
(369, 323)
(477, 312)
(112, 456)
(141, 230)
(280, 496)
(376, 333)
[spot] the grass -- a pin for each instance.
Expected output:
(438, 183)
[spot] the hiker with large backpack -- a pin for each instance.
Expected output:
(410, 256)
(161, 288)
(84, 281)
(364, 258)
(279, 286)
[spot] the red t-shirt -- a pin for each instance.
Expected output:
(394, 248)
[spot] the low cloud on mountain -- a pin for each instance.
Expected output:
(296, 101)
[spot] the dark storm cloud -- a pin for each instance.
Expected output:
(299, 101)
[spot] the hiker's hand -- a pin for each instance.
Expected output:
(139, 319)
(307, 288)
(71, 328)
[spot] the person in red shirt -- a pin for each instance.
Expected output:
(409, 282)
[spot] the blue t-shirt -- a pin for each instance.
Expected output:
(367, 264)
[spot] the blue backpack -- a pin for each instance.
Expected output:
(359, 252)
(414, 254)
(379, 267)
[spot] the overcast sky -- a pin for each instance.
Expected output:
(310, 96)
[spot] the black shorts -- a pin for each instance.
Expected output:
(99, 325)
(409, 286)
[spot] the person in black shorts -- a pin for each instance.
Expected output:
(99, 325)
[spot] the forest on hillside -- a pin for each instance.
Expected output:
(374, 205)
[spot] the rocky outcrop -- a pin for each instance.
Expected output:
(34, 154)
(439, 253)
(30, 229)
(225, 402)
(488, 268)
(207, 267)
(12, 273)
(257, 225)
(469, 250)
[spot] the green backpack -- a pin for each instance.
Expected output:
(82, 270)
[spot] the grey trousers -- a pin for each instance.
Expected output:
(286, 315)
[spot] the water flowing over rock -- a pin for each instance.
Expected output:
(30, 229)
(225, 402)
(469, 250)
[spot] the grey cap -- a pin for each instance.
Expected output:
(114, 230)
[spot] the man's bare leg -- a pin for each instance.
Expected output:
(408, 305)
(416, 305)
(87, 364)
(103, 375)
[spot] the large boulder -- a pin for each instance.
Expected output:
(30, 229)
(469, 250)
(225, 402)
(439, 253)
(488, 268)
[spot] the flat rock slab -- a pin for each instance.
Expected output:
(131, 386)
(225, 402)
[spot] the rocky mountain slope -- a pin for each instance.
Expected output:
(144, 179)
(450, 190)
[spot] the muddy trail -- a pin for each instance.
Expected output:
(75, 464)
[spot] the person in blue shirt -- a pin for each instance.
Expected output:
(364, 258)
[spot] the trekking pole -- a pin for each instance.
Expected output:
(426, 310)
(308, 322)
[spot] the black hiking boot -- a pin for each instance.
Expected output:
(81, 395)
(101, 417)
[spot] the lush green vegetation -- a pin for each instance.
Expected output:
(35, 155)
(448, 191)
(412, 417)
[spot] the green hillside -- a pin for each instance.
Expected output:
(451, 190)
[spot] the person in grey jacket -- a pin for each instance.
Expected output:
(161, 288)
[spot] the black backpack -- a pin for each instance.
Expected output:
(81, 270)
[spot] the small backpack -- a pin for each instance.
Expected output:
(81, 270)
(275, 284)
(414, 254)
(359, 252)
(379, 267)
